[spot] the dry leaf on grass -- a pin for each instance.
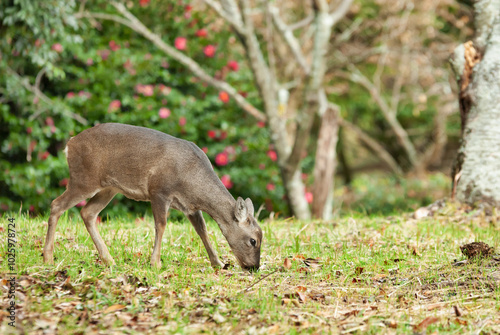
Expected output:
(114, 308)
(425, 323)
(287, 263)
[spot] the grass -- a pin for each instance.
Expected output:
(351, 275)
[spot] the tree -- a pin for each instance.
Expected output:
(290, 130)
(476, 173)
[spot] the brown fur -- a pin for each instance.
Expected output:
(148, 165)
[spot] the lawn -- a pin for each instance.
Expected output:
(351, 275)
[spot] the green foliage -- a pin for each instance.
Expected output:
(110, 74)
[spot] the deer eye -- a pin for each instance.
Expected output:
(253, 242)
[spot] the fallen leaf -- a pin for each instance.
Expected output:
(425, 323)
(460, 322)
(312, 263)
(114, 308)
(302, 296)
(391, 324)
(218, 318)
(359, 270)
(299, 257)
(301, 288)
(287, 263)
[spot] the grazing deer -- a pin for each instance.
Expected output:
(148, 165)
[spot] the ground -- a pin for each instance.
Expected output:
(351, 275)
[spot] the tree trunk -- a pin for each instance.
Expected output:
(477, 170)
(324, 167)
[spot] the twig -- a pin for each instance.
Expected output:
(258, 281)
(35, 90)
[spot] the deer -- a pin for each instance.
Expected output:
(148, 165)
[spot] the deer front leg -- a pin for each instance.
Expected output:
(160, 209)
(201, 228)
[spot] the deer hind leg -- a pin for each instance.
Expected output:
(160, 209)
(89, 215)
(201, 228)
(65, 201)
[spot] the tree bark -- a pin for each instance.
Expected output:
(477, 169)
(324, 166)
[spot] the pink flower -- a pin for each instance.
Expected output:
(221, 159)
(49, 121)
(309, 197)
(114, 105)
(211, 133)
(144, 3)
(180, 43)
(64, 182)
(209, 50)
(57, 47)
(89, 61)
(188, 8)
(182, 121)
(226, 181)
(262, 166)
(29, 130)
(204, 149)
(224, 97)
(148, 90)
(113, 45)
(261, 124)
(233, 65)
(44, 155)
(164, 112)
(32, 208)
(81, 203)
(270, 187)
(272, 154)
(104, 54)
(202, 33)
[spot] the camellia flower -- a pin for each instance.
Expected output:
(204, 149)
(221, 159)
(211, 133)
(81, 203)
(180, 43)
(233, 65)
(209, 50)
(270, 187)
(144, 3)
(261, 124)
(164, 112)
(202, 33)
(309, 197)
(114, 105)
(49, 121)
(64, 182)
(44, 155)
(272, 154)
(224, 97)
(226, 181)
(113, 45)
(182, 121)
(57, 47)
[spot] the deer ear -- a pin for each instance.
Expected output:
(241, 211)
(249, 204)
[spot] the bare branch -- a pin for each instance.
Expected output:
(340, 12)
(302, 23)
(401, 134)
(373, 144)
(39, 77)
(233, 20)
(132, 22)
(36, 91)
(287, 35)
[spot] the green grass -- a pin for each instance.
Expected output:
(375, 275)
